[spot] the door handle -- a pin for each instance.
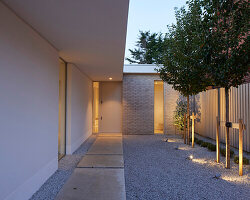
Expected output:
(101, 117)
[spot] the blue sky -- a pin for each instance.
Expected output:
(153, 15)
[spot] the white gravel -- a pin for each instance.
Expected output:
(66, 165)
(156, 170)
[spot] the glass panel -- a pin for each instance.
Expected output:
(62, 107)
(95, 107)
(158, 107)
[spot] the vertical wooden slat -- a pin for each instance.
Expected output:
(193, 130)
(248, 117)
(217, 139)
(242, 105)
(232, 114)
(240, 147)
(185, 130)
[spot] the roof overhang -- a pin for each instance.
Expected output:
(88, 33)
(140, 68)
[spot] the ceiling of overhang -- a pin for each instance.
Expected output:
(88, 33)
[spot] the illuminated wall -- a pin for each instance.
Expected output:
(158, 106)
(95, 107)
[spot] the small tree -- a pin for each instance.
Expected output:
(179, 112)
(183, 61)
(226, 50)
(150, 49)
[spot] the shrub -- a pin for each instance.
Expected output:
(199, 142)
(245, 160)
(223, 153)
(204, 144)
(211, 147)
(180, 109)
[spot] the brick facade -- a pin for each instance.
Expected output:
(138, 104)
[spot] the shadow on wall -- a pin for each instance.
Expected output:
(196, 106)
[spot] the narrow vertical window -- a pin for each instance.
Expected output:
(158, 107)
(95, 107)
(62, 110)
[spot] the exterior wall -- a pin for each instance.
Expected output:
(79, 108)
(138, 104)
(170, 98)
(29, 88)
(207, 105)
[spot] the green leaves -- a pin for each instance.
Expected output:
(183, 60)
(208, 45)
(150, 49)
(226, 51)
(180, 109)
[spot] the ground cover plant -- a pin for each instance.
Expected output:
(204, 144)
(245, 160)
(223, 152)
(212, 147)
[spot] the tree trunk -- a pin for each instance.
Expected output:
(227, 130)
(188, 122)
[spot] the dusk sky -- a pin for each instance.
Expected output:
(153, 15)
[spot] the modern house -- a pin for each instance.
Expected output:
(62, 78)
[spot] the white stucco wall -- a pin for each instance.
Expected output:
(79, 108)
(28, 108)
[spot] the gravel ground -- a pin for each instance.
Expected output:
(66, 166)
(157, 170)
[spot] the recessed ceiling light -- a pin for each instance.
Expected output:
(110, 78)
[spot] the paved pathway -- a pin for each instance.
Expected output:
(100, 174)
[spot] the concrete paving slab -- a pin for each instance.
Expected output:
(94, 184)
(101, 161)
(107, 145)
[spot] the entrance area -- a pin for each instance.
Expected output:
(107, 107)
(62, 110)
(111, 107)
(158, 107)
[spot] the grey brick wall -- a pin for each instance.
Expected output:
(138, 104)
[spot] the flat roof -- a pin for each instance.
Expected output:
(140, 68)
